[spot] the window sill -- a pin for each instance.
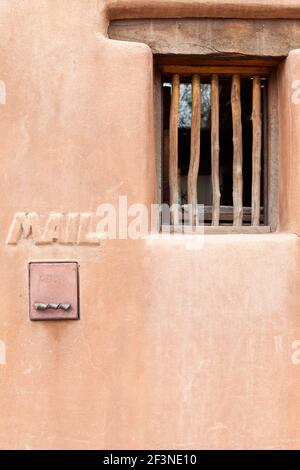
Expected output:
(217, 230)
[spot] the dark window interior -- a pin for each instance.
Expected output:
(226, 146)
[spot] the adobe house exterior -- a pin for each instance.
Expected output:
(174, 348)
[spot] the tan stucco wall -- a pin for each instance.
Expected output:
(175, 348)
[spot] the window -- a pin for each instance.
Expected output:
(214, 146)
(215, 51)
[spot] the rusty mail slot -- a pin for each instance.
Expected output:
(53, 291)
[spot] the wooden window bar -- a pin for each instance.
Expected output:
(238, 217)
(173, 144)
(195, 146)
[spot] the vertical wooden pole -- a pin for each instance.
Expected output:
(195, 147)
(173, 143)
(215, 147)
(256, 150)
(265, 151)
(165, 165)
(237, 190)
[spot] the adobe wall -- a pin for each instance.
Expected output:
(175, 348)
